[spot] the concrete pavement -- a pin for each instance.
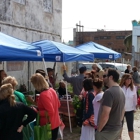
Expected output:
(75, 135)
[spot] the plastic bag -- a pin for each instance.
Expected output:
(60, 131)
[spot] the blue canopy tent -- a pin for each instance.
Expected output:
(99, 51)
(12, 49)
(58, 52)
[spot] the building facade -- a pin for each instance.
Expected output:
(136, 43)
(30, 20)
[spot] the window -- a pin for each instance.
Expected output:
(96, 38)
(101, 37)
(48, 6)
(20, 1)
(105, 37)
(120, 37)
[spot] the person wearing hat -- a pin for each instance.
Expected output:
(76, 81)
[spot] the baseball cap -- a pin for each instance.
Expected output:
(82, 69)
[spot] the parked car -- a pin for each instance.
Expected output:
(88, 65)
(118, 66)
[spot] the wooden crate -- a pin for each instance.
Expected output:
(66, 121)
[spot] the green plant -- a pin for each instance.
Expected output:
(31, 93)
(56, 85)
(77, 104)
(70, 88)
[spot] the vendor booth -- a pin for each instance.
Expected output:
(58, 52)
(12, 49)
(99, 51)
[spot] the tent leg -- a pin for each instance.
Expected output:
(45, 66)
(68, 106)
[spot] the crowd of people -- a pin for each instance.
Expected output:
(106, 100)
(15, 115)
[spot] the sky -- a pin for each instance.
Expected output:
(98, 14)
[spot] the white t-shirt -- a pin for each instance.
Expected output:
(96, 105)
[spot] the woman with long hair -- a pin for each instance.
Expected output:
(11, 115)
(88, 131)
(48, 102)
(130, 102)
(19, 97)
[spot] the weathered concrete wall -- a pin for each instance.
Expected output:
(30, 22)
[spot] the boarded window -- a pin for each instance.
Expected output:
(48, 6)
(15, 66)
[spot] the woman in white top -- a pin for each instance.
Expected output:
(130, 102)
(97, 86)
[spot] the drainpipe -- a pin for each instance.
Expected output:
(133, 56)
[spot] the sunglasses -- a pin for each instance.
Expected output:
(129, 78)
(104, 76)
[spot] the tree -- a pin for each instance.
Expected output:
(128, 43)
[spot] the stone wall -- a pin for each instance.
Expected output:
(31, 20)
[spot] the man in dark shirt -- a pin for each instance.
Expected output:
(76, 81)
(128, 69)
(111, 110)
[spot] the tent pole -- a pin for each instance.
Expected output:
(45, 69)
(45, 66)
(28, 75)
(68, 106)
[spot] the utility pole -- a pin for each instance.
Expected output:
(79, 28)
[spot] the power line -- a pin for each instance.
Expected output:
(105, 29)
(96, 28)
(68, 28)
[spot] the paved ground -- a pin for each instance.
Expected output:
(75, 135)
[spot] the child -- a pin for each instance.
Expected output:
(62, 88)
